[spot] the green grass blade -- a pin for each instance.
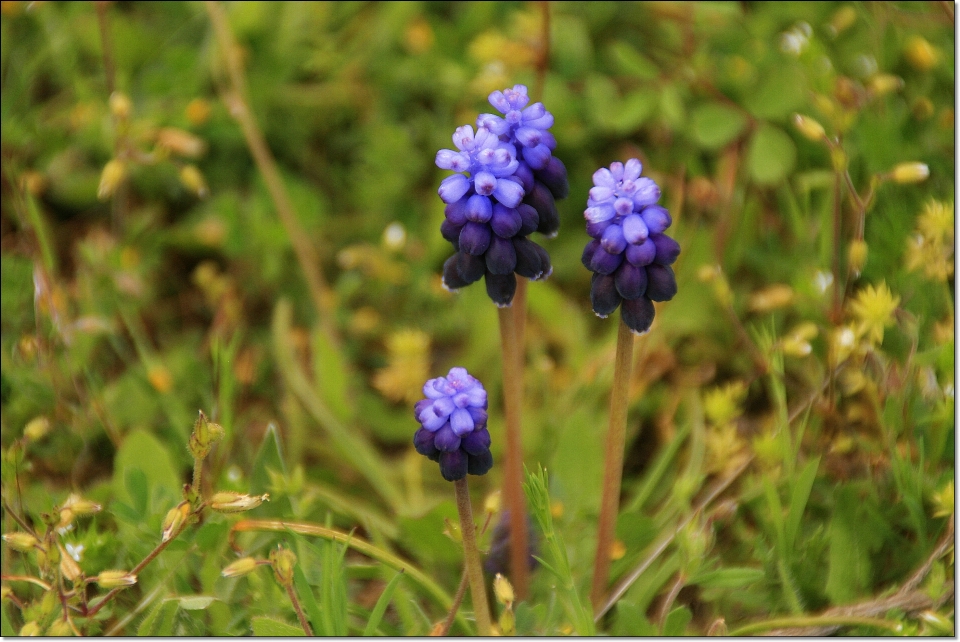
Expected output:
(381, 606)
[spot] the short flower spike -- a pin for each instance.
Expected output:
(453, 420)
(630, 254)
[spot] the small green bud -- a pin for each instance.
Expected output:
(113, 174)
(283, 561)
(120, 105)
(30, 630)
(60, 629)
(507, 622)
(503, 590)
(81, 507)
(906, 173)
(174, 519)
(857, 256)
(205, 435)
(116, 579)
(36, 429)
(883, 84)
(20, 541)
(68, 567)
(810, 128)
(228, 502)
(241, 567)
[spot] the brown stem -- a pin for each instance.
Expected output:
(613, 462)
(513, 459)
(457, 600)
(670, 598)
(237, 103)
(471, 558)
(299, 609)
(543, 55)
(106, 46)
(139, 567)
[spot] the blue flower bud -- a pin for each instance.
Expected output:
(501, 256)
(453, 425)
(475, 238)
(501, 288)
(625, 223)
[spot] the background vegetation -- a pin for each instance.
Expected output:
(799, 389)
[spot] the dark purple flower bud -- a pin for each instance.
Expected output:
(479, 416)
(536, 157)
(445, 439)
(475, 238)
(542, 201)
(530, 219)
(501, 288)
(479, 464)
(478, 209)
(554, 176)
(420, 406)
(602, 262)
(667, 249)
(631, 281)
(661, 283)
(471, 268)
(451, 275)
(637, 314)
(506, 221)
(525, 174)
(657, 218)
(545, 265)
(501, 257)
(476, 442)
(596, 230)
(603, 295)
(528, 259)
(612, 240)
(456, 213)
(453, 465)
(587, 257)
(642, 254)
(423, 442)
(498, 558)
(451, 231)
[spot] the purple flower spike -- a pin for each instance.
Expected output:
(504, 188)
(625, 223)
(461, 443)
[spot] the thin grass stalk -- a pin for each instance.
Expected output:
(471, 558)
(238, 104)
(613, 462)
(513, 459)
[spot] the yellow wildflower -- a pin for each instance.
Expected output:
(873, 308)
(408, 366)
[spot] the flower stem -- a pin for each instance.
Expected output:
(613, 462)
(292, 593)
(471, 558)
(513, 458)
(812, 621)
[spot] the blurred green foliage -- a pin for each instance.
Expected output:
(179, 290)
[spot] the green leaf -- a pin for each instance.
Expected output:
(677, 621)
(734, 577)
(381, 606)
(193, 602)
(848, 566)
(628, 60)
(781, 92)
(798, 501)
(713, 125)
(270, 628)
(305, 592)
(332, 375)
(771, 155)
(141, 451)
(269, 457)
(632, 621)
(136, 484)
(150, 622)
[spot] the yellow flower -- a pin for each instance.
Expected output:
(409, 366)
(931, 247)
(722, 403)
(873, 308)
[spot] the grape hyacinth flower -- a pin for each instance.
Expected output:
(630, 255)
(453, 421)
(505, 188)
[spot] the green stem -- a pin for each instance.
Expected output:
(357, 544)
(513, 457)
(613, 462)
(471, 558)
(815, 621)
